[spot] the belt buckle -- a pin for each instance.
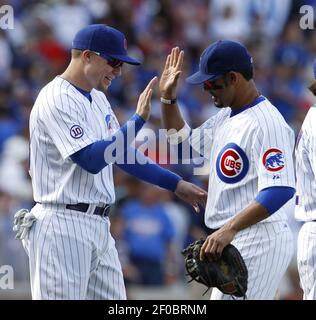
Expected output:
(106, 211)
(102, 211)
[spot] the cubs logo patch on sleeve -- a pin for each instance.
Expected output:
(108, 121)
(273, 160)
(232, 164)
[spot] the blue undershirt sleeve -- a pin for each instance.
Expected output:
(147, 170)
(92, 157)
(274, 198)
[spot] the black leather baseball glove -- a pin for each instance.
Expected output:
(229, 273)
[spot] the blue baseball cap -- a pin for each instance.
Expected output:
(107, 41)
(219, 58)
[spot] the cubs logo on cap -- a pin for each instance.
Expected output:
(232, 164)
(273, 160)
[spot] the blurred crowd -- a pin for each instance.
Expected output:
(150, 226)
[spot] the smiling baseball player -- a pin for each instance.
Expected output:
(72, 126)
(251, 177)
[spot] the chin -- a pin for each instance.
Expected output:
(102, 87)
(220, 106)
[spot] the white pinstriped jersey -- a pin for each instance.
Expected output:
(248, 152)
(306, 169)
(62, 122)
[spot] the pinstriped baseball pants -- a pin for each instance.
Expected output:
(267, 249)
(306, 259)
(72, 256)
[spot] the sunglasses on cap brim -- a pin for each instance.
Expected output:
(210, 85)
(114, 63)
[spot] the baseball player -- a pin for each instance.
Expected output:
(306, 202)
(73, 131)
(251, 177)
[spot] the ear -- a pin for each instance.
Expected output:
(86, 54)
(233, 77)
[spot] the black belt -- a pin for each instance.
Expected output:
(83, 207)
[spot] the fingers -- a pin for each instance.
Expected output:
(172, 58)
(191, 194)
(149, 87)
(176, 58)
(167, 65)
(201, 196)
(143, 105)
(202, 202)
(204, 249)
(148, 97)
(151, 83)
(196, 207)
(211, 250)
(180, 60)
(147, 93)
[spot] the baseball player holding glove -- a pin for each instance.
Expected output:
(73, 135)
(251, 176)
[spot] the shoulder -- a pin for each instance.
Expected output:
(102, 102)
(308, 123)
(268, 117)
(61, 95)
(223, 114)
(311, 113)
(219, 117)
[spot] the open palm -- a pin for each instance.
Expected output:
(170, 75)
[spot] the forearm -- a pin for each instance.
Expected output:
(252, 214)
(171, 117)
(266, 203)
(147, 170)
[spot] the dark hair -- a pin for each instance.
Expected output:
(247, 74)
(312, 87)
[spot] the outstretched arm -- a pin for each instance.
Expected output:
(147, 170)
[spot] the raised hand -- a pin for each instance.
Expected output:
(144, 101)
(191, 194)
(170, 75)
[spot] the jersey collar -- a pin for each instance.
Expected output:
(87, 94)
(250, 105)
